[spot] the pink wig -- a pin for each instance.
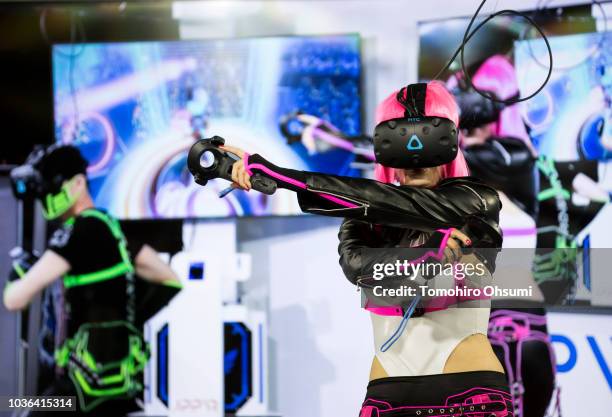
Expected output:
(438, 102)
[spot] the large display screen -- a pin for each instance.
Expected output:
(570, 122)
(570, 119)
(438, 39)
(134, 109)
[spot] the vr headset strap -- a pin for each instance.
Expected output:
(415, 97)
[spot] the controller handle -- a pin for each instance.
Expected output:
(207, 161)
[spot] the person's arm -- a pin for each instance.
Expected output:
(18, 294)
(358, 249)
(150, 267)
(375, 202)
(353, 236)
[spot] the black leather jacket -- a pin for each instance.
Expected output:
(464, 203)
(507, 164)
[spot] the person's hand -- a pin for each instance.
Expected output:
(452, 251)
(22, 261)
(240, 177)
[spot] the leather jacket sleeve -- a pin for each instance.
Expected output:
(360, 243)
(453, 203)
(353, 236)
(508, 165)
(356, 237)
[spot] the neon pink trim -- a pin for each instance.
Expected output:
(407, 407)
(501, 401)
(437, 303)
(367, 411)
(483, 388)
(339, 143)
(249, 168)
(440, 255)
(528, 231)
(534, 318)
(394, 311)
(245, 161)
(273, 174)
(521, 332)
(430, 254)
(338, 201)
(507, 325)
(504, 320)
(378, 401)
(489, 396)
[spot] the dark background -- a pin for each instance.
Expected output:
(27, 31)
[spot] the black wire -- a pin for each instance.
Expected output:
(71, 58)
(77, 39)
(489, 95)
(42, 23)
(411, 110)
(468, 35)
(597, 48)
(452, 59)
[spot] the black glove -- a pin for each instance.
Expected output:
(21, 262)
(368, 284)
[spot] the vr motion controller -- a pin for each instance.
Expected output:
(207, 161)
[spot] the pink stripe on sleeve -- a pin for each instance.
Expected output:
(249, 168)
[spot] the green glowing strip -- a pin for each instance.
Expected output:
(553, 192)
(89, 361)
(90, 397)
(20, 271)
(112, 379)
(98, 276)
(172, 283)
(122, 268)
(62, 355)
(93, 392)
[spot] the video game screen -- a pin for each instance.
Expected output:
(570, 122)
(571, 118)
(134, 109)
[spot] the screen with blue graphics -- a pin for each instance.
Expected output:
(134, 109)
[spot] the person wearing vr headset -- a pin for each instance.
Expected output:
(498, 151)
(440, 362)
(99, 350)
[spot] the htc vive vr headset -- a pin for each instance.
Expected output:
(415, 140)
(476, 110)
(44, 174)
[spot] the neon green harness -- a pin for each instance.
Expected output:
(97, 382)
(122, 268)
(560, 263)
